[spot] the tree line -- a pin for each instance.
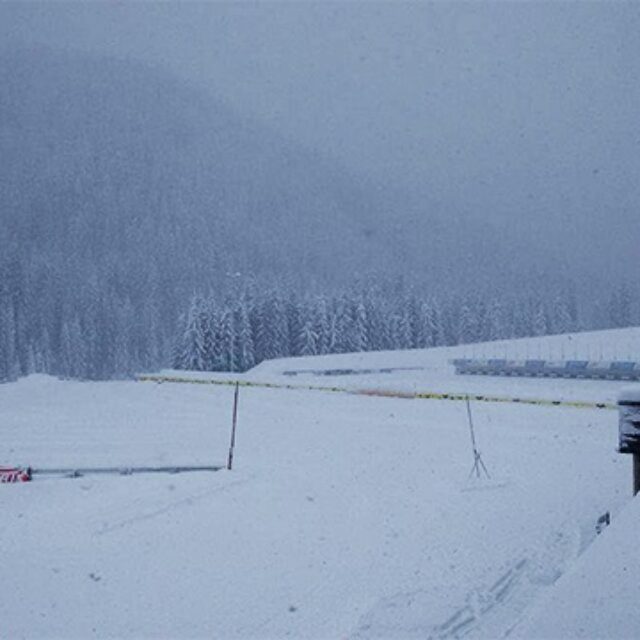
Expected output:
(100, 329)
(236, 333)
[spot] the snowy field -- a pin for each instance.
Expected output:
(429, 370)
(345, 516)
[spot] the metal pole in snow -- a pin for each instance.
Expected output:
(473, 435)
(233, 426)
(478, 463)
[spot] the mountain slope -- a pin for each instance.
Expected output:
(125, 189)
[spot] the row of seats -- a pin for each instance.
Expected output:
(600, 370)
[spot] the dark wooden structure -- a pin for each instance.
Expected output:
(629, 429)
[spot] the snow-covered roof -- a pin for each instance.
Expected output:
(630, 394)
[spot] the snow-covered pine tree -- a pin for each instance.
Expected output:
(425, 335)
(467, 325)
(620, 306)
(540, 321)
(321, 325)
(307, 340)
(9, 366)
(561, 321)
(124, 360)
(412, 314)
(43, 352)
(73, 350)
(193, 353)
(342, 326)
(246, 354)
(294, 324)
(269, 325)
(377, 330)
(228, 340)
(333, 339)
(437, 323)
(400, 331)
(360, 327)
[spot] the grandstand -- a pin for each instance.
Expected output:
(587, 369)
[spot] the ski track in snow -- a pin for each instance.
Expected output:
(145, 513)
(488, 611)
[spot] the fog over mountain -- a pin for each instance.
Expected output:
(520, 112)
(464, 152)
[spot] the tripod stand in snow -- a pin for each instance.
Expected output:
(478, 464)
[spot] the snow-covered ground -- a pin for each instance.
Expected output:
(598, 597)
(345, 516)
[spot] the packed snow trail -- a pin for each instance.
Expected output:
(491, 609)
(597, 597)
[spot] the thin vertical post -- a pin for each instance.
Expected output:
(478, 464)
(233, 426)
(473, 435)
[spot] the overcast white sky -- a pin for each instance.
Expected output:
(507, 109)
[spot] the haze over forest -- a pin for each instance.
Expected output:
(282, 178)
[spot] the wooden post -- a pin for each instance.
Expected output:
(234, 422)
(629, 429)
(636, 473)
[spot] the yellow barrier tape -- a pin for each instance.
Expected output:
(384, 393)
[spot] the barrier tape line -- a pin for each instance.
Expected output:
(456, 397)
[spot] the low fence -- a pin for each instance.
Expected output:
(576, 369)
(348, 372)
(382, 393)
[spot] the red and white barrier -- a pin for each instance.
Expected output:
(14, 474)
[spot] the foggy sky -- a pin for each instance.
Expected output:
(525, 112)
